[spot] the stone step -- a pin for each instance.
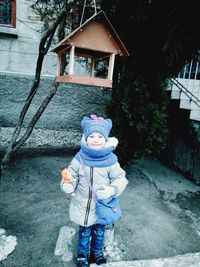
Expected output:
(175, 94)
(196, 92)
(186, 260)
(185, 104)
(195, 114)
(195, 106)
(184, 96)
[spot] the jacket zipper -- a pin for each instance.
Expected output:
(89, 198)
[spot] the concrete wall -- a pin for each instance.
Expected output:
(187, 159)
(65, 110)
(183, 150)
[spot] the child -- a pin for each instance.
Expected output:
(107, 178)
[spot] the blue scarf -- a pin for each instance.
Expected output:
(102, 157)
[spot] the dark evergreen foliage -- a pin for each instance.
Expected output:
(161, 36)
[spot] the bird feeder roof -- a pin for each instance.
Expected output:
(95, 37)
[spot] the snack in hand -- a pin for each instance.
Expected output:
(66, 176)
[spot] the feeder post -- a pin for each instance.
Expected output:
(111, 66)
(92, 67)
(59, 64)
(71, 60)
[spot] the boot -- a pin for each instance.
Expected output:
(82, 260)
(97, 258)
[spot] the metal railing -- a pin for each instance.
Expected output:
(190, 71)
(188, 81)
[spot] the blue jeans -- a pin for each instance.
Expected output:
(91, 237)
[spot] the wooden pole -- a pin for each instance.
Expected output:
(71, 60)
(111, 66)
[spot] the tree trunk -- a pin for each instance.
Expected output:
(32, 123)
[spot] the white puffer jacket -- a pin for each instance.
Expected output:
(82, 206)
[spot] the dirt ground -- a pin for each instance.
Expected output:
(160, 207)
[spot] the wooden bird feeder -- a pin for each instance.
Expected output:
(98, 43)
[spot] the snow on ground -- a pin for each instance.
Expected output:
(64, 243)
(7, 244)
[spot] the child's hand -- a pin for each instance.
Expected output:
(65, 174)
(105, 192)
(67, 188)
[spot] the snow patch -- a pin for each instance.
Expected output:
(7, 244)
(112, 250)
(64, 243)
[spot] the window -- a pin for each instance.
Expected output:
(8, 13)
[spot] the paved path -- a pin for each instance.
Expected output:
(160, 226)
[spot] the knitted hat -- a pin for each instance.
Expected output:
(96, 124)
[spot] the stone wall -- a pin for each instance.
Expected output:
(65, 110)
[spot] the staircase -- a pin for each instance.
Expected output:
(186, 88)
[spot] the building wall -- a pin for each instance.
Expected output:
(19, 55)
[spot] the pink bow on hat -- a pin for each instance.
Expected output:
(94, 117)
